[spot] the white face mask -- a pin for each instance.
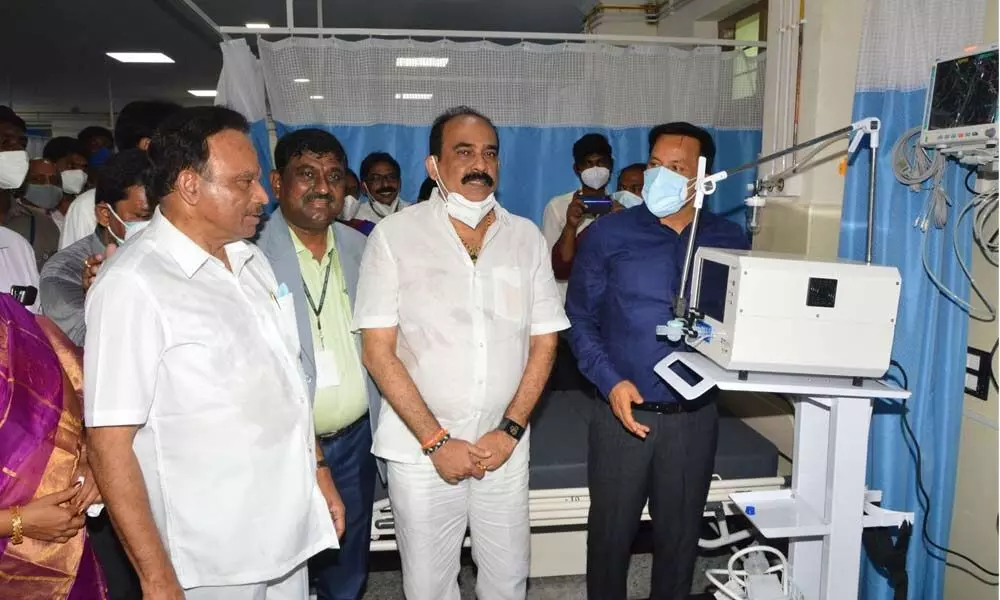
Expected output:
(461, 208)
(350, 210)
(13, 169)
(73, 181)
(595, 177)
(626, 198)
(383, 210)
(131, 227)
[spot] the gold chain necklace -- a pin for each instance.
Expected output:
(474, 252)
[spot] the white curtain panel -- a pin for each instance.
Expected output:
(338, 82)
(241, 83)
(902, 38)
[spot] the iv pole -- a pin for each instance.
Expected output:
(705, 185)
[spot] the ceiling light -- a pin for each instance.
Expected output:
(301, 80)
(410, 96)
(315, 97)
(203, 93)
(421, 61)
(257, 26)
(140, 57)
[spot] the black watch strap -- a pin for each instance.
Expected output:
(512, 428)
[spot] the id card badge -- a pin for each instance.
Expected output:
(327, 374)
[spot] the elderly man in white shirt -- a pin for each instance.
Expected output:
(459, 312)
(201, 433)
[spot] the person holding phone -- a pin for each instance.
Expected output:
(567, 215)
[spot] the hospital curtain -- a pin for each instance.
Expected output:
(380, 94)
(900, 41)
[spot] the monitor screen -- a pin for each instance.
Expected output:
(712, 289)
(965, 92)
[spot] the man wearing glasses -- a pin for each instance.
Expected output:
(380, 183)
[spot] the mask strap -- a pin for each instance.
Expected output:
(439, 181)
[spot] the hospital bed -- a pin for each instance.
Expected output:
(558, 497)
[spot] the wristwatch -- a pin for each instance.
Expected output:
(511, 428)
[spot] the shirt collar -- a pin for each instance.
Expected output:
(96, 245)
(300, 248)
(190, 257)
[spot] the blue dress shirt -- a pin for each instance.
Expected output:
(625, 275)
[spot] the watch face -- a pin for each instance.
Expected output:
(513, 429)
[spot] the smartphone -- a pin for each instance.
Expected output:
(597, 206)
(24, 294)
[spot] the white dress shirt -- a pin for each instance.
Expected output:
(367, 213)
(17, 263)
(80, 220)
(204, 359)
(463, 329)
(553, 222)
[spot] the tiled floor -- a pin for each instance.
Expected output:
(388, 584)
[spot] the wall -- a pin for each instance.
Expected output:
(974, 521)
(810, 224)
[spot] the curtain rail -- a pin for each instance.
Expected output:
(492, 35)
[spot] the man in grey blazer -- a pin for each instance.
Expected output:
(317, 258)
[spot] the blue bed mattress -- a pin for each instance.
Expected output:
(559, 445)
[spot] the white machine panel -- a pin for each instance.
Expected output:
(777, 313)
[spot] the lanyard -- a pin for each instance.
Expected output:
(322, 300)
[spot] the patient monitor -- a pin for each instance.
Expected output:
(767, 312)
(960, 112)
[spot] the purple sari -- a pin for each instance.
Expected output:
(40, 441)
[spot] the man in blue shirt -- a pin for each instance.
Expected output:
(648, 443)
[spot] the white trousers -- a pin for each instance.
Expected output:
(431, 517)
(294, 586)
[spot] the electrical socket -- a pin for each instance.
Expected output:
(977, 373)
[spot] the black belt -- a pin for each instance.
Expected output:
(673, 408)
(329, 437)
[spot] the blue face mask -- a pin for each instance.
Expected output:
(664, 191)
(626, 198)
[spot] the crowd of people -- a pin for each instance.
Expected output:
(200, 397)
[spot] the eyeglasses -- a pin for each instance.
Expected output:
(376, 179)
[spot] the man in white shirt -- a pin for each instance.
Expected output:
(565, 215)
(133, 128)
(69, 155)
(17, 257)
(201, 433)
(459, 312)
(17, 263)
(381, 179)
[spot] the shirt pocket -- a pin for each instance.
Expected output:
(510, 294)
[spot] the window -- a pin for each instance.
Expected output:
(749, 24)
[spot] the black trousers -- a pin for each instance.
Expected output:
(123, 583)
(672, 468)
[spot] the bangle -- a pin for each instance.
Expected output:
(437, 446)
(17, 524)
(434, 439)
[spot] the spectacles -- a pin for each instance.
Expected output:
(376, 179)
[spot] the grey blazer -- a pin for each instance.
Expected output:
(275, 241)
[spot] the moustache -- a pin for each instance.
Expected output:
(478, 176)
(325, 197)
(384, 190)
